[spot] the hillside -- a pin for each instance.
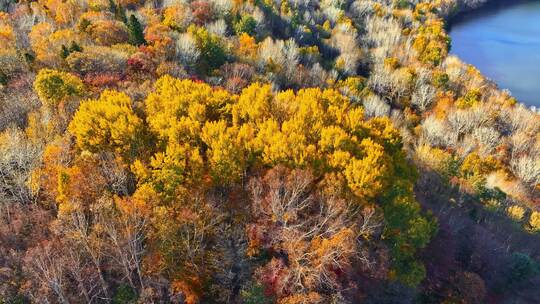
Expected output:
(232, 151)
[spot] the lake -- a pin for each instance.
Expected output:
(503, 42)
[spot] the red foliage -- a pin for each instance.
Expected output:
(273, 276)
(202, 12)
(141, 62)
(103, 79)
(196, 79)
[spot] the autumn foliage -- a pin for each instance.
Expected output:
(234, 151)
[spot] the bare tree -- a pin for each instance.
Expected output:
(437, 133)
(489, 139)
(77, 227)
(125, 236)
(527, 169)
(319, 233)
(18, 157)
(374, 106)
(84, 274)
(424, 93)
(46, 267)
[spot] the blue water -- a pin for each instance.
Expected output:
(503, 42)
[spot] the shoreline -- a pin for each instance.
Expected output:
(464, 13)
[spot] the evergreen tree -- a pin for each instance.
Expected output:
(64, 52)
(112, 7)
(120, 14)
(135, 29)
(3, 78)
(118, 11)
(84, 24)
(74, 47)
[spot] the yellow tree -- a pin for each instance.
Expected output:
(64, 12)
(227, 150)
(47, 42)
(367, 176)
(173, 171)
(108, 124)
(55, 87)
(254, 104)
(177, 109)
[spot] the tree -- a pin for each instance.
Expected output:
(177, 17)
(245, 25)
(534, 221)
(432, 42)
(527, 169)
(125, 224)
(367, 176)
(74, 47)
(110, 32)
(247, 47)
(124, 294)
(254, 294)
(202, 11)
(46, 266)
(213, 53)
(470, 99)
(99, 60)
(135, 31)
(312, 227)
(188, 103)
(187, 51)
(118, 11)
(80, 232)
(345, 39)
(424, 93)
(64, 52)
(54, 87)
(47, 42)
(18, 158)
(227, 152)
(108, 124)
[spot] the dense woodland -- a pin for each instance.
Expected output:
(257, 152)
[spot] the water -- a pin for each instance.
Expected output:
(503, 42)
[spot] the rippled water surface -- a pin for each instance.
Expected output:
(503, 42)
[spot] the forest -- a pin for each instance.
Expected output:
(259, 152)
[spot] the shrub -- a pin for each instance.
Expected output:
(98, 59)
(470, 99)
(516, 212)
(186, 50)
(124, 295)
(246, 24)
(534, 221)
(254, 294)
(522, 267)
(211, 48)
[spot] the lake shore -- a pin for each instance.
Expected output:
(501, 41)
